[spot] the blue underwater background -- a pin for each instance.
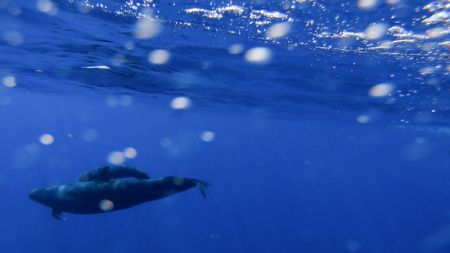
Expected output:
(322, 126)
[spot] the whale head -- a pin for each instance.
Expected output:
(41, 195)
(37, 194)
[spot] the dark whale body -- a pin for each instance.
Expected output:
(100, 196)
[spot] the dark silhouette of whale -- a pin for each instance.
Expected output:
(104, 193)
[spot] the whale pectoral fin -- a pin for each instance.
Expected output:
(202, 187)
(57, 214)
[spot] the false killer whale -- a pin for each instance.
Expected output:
(110, 189)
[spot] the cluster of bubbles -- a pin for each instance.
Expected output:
(15, 37)
(206, 136)
(28, 155)
(148, 27)
(123, 100)
(377, 91)
(182, 144)
(276, 25)
(119, 157)
(384, 35)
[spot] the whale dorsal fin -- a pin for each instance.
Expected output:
(124, 172)
(107, 173)
(98, 174)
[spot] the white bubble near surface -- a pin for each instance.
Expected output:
(159, 56)
(278, 30)
(381, 90)
(147, 28)
(46, 139)
(375, 31)
(130, 153)
(9, 81)
(258, 55)
(207, 136)
(180, 103)
(367, 4)
(13, 38)
(363, 119)
(116, 158)
(106, 205)
(236, 49)
(393, 2)
(46, 6)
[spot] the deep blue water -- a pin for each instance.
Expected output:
(336, 141)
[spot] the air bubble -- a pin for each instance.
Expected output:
(106, 205)
(207, 136)
(381, 90)
(180, 103)
(159, 56)
(46, 6)
(116, 158)
(236, 49)
(258, 55)
(367, 4)
(147, 28)
(46, 139)
(363, 119)
(278, 30)
(130, 153)
(375, 31)
(9, 81)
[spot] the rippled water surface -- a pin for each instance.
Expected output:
(322, 126)
(318, 55)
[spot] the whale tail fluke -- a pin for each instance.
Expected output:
(202, 187)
